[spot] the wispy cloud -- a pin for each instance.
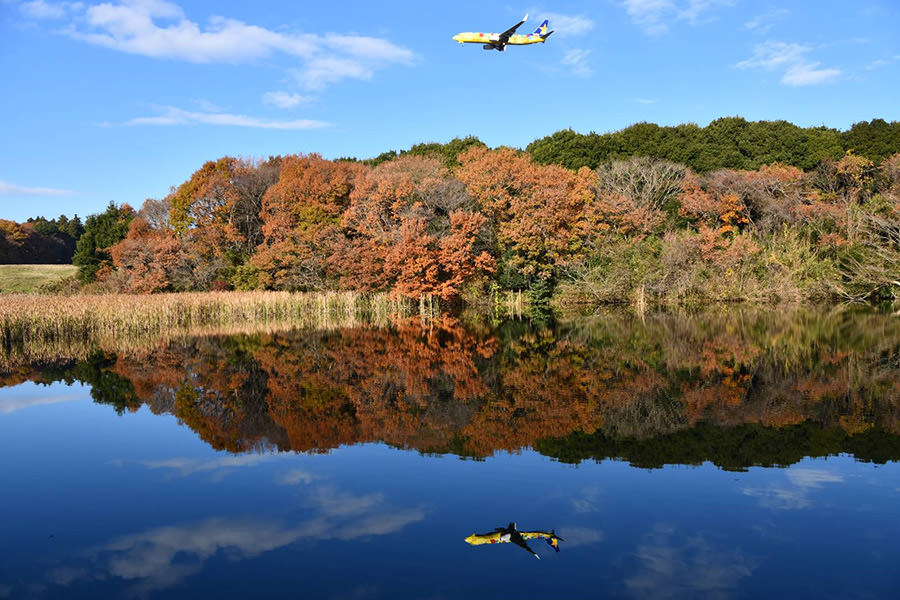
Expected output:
(295, 477)
(10, 189)
(588, 500)
(218, 467)
(160, 29)
(577, 61)
(765, 21)
(656, 16)
(10, 405)
(171, 115)
(882, 62)
(796, 494)
(284, 99)
(580, 536)
(564, 25)
(159, 558)
(792, 58)
(39, 9)
(812, 478)
(690, 565)
(644, 101)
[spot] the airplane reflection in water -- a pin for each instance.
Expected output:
(503, 535)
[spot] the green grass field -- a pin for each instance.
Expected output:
(30, 278)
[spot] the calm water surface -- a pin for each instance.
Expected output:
(732, 454)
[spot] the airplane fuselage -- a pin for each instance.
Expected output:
(474, 37)
(499, 41)
(503, 536)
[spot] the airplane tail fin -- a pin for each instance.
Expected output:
(553, 540)
(542, 30)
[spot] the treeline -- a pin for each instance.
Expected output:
(804, 214)
(727, 143)
(39, 241)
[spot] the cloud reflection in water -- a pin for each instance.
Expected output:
(165, 556)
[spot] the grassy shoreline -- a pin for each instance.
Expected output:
(24, 279)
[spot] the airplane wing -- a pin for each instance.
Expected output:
(504, 37)
(518, 541)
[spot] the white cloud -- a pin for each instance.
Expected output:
(184, 467)
(697, 10)
(38, 9)
(650, 15)
(580, 536)
(812, 478)
(764, 22)
(9, 189)
(588, 500)
(677, 566)
(295, 477)
(163, 557)
(10, 405)
(655, 16)
(797, 494)
(323, 71)
(798, 70)
(284, 99)
(881, 62)
(171, 115)
(644, 101)
(160, 29)
(778, 497)
(207, 106)
(809, 74)
(566, 24)
(577, 60)
(771, 54)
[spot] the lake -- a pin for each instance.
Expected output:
(730, 453)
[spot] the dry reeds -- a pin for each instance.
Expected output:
(36, 319)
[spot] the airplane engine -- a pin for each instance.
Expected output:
(488, 47)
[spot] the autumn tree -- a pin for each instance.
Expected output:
(301, 215)
(635, 195)
(416, 228)
(536, 212)
(152, 258)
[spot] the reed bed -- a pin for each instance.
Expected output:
(35, 320)
(19, 356)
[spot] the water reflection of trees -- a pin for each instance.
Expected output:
(738, 387)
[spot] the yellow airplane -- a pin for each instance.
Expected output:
(499, 41)
(509, 534)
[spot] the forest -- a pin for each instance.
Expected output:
(760, 211)
(39, 241)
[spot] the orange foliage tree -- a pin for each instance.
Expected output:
(537, 212)
(411, 227)
(301, 214)
(150, 260)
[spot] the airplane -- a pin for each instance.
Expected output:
(499, 41)
(503, 535)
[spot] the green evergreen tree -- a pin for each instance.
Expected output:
(101, 232)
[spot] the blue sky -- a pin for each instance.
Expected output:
(118, 101)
